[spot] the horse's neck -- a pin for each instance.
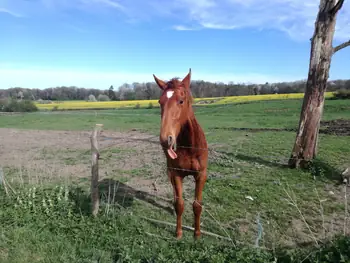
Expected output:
(188, 132)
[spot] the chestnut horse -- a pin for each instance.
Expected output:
(184, 145)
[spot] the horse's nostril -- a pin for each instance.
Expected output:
(170, 140)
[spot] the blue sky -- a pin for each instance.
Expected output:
(98, 43)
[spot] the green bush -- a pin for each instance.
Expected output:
(3, 103)
(103, 97)
(342, 94)
(150, 106)
(17, 106)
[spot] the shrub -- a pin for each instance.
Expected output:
(342, 94)
(55, 108)
(150, 106)
(92, 97)
(18, 106)
(3, 103)
(137, 106)
(102, 97)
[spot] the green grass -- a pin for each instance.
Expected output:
(268, 114)
(245, 163)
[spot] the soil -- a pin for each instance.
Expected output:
(39, 155)
(340, 127)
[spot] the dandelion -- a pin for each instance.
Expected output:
(19, 200)
(66, 191)
(46, 209)
(33, 194)
(50, 202)
(59, 195)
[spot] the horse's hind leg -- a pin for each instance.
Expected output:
(176, 182)
(197, 203)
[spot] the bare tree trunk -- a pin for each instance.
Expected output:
(95, 155)
(305, 147)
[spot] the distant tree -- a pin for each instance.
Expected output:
(256, 89)
(126, 92)
(20, 95)
(111, 93)
(149, 90)
(275, 89)
(322, 50)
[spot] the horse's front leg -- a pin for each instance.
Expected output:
(176, 182)
(197, 203)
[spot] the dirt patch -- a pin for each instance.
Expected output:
(205, 102)
(340, 127)
(253, 129)
(135, 158)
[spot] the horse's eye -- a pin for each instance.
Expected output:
(181, 101)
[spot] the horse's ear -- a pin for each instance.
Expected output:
(187, 80)
(161, 84)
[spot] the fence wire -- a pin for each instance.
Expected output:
(154, 177)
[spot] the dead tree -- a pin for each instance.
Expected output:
(322, 50)
(95, 156)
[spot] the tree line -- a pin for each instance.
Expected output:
(149, 90)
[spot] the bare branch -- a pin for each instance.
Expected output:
(336, 8)
(341, 46)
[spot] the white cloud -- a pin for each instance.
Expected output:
(9, 12)
(43, 78)
(184, 28)
(107, 3)
(294, 17)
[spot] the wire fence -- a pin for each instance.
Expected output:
(140, 159)
(257, 222)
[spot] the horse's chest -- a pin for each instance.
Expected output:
(185, 162)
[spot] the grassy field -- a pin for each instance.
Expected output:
(70, 105)
(250, 195)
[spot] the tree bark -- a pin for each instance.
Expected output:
(305, 146)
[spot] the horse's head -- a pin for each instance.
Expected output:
(176, 106)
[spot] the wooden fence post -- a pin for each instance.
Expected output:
(2, 180)
(95, 199)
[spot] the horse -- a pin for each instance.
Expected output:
(184, 145)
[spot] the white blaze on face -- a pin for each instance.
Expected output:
(169, 94)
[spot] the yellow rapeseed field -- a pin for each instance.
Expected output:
(71, 105)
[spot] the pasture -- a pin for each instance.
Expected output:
(262, 208)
